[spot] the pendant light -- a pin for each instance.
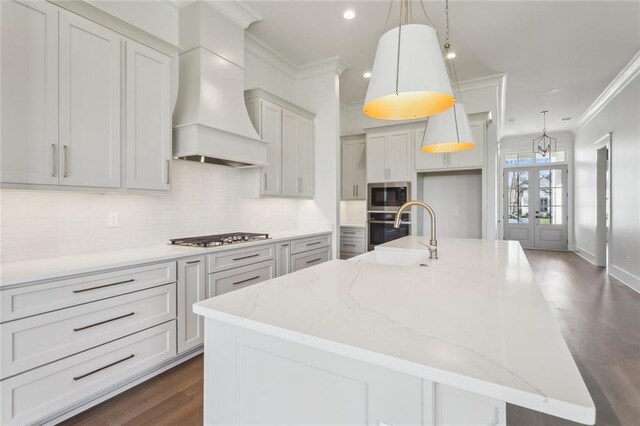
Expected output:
(409, 79)
(544, 143)
(448, 131)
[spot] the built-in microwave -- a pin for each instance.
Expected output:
(387, 196)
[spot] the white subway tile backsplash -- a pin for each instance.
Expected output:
(204, 198)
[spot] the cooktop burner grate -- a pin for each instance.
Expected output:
(219, 239)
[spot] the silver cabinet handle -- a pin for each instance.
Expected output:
(314, 260)
(82, 376)
(191, 262)
(357, 189)
(348, 245)
(168, 170)
(53, 160)
(82, 290)
(247, 280)
(348, 232)
(84, 327)
(313, 244)
(64, 158)
(246, 257)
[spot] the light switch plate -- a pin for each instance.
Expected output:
(113, 219)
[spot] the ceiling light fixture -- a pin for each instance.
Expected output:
(566, 118)
(451, 55)
(409, 78)
(544, 143)
(349, 14)
(448, 131)
(367, 74)
(554, 91)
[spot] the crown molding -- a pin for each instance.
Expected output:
(619, 82)
(347, 105)
(258, 48)
(236, 11)
(330, 65)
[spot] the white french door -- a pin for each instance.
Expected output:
(535, 206)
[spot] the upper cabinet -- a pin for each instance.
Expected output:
(289, 131)
(29, 56)
(64, 99)
(89, 91)
(389, 156)
(470, 159)
(354, 172)
(148, 118)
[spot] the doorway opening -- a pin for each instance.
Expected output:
(603, 200)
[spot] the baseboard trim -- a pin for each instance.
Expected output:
(118, 388)
(625, 277)
(585, 254)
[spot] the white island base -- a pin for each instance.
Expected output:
(255, 378)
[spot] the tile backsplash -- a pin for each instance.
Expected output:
(205, 199)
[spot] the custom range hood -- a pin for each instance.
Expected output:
(210, 121)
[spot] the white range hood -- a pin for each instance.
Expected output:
(210, 121)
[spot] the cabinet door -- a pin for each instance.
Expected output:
(348, 172)
(400, 156)
(474, 157)
(29, 86)
(425, 160)
(271, 131)
(191, 289)
(148, 118)
(290, 122)
(283, 259)
(376, 158)
(360, 170)
(89, 93)
(304, 163)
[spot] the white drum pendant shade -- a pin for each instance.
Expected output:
(419, 86)
(448, 132)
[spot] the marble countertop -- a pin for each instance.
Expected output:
(353, 225)
(17, 273)
(473, 319)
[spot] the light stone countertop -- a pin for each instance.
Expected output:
(474, 319)
(353, 225)
(36, 270)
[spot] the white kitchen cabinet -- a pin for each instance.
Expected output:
(455, 407)
(148, 118)
(289, 131)
(310, 258)
(192, 288)
(389, 156)
(469, 159)
(237, 278)
(89, 91)
(354, 179)
(29, 86)
(283, 258)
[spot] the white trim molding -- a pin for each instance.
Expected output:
(585, 254)
(236, 11)
(625, 277)
(335, 65)
(497, 81)
(619, 82)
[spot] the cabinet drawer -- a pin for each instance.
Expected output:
(35, 394)
(312, 258)
(234, 258)
(32, 342)
(234, 279)
(312, 243)
(351, 233)
(352, 245)
(36, 299)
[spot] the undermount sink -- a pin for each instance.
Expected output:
(394, 257)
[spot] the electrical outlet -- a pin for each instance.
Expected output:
(113, 219)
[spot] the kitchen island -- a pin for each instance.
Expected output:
(391, 337)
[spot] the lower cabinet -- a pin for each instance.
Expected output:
(352, 241)
(237, 278)
(191, 289)
(311, 258)
(283, 258)
(38, 393)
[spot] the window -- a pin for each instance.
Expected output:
(528, 158)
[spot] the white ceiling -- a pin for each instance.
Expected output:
(577, 46)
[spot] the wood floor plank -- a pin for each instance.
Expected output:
(599, 318)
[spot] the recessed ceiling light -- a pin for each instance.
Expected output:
(554, 91)
(566, 118)
(451, 55)
(367, 74)
(349, 14)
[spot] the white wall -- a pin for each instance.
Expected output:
(203, 200)
(622, 117)
(353, 212)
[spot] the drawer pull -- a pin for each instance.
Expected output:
(313, 244)
(314, 260)
(247, 280)
(103, 286)
(103, 322)
(348, 232)
(82, 376)
(191, 262)
(348, 245)
(246, 257)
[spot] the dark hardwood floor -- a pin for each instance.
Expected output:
(599, 318)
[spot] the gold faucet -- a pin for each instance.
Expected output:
(433, 242)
